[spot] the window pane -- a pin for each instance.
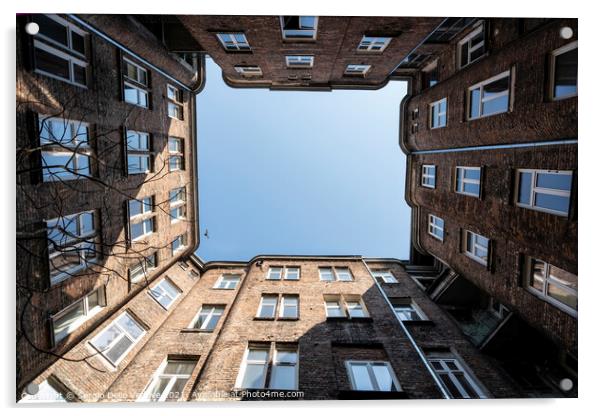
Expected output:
(119, 349)
(159, 388)
(284, 377)
(466, 385)
(563, 295)
(52, 64)
(537, 277)
(361, 377)
(565, 74)
(451, 387)
(496, 105)
(254, 376)
(471, 188)
(474, 174)
(553, 202)
(68, 322)
(77, 43)
(383, 378)
(130, 326)
(563, 277)
(475, 103)
(554, 181)
(495, 87)
(107, 337)
(176, 390)
(51, 28)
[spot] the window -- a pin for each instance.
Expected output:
(385, 275)
(406, 310)
(357, 69)
(168, 382)
(472, 47)
(208, 317)
(458, 383)
(60, 50)
(544, 190)
(176, 154)
(249, 70)
(234, 42)
(65, 149)
(430, 75)
(178, 244)
(299, 61)
(438, 113)
(175, 103)
(475, 246)
(429, 176)
(267, 306)
(299, 28)
(490, 97)
(436, 227)
(138, 152)
(290, 273)
(74, 315)
(372, 376)
(143, 268)
(142, 221)
(177, 204)
(564, 72)
(117, 339)
(72, 244)
(289, 307)
(373, 44)
(345, 306)
(552, 284)
(284, 367)
(468, 181)
(165, 292)
(330, 274)
(227, 281)
(135, 84)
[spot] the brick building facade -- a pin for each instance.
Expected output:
(490, 133)
(105, 138)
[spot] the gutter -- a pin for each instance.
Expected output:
(423, 358)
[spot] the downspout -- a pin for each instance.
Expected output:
(444, 392)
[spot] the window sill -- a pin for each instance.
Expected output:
(196, 331)
(423, 322)
(347, 319)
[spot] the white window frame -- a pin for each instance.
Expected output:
(450, 374)
(212, 310)
(88, 312)
(357, 69)
(343, 270)
(373, 380)
(249, 70)
(173, 377)
(459, 173)
(227, 277)
(74, 146)
(174, 100)
(433, 227)
(277, 363)
(238, 46)
(470, 252)
(290, 268)
(138, 151)
(543, 294)
(72, 60)
(371, 43)
(540, 190)
(385, 275)
(272, 271)
(142, 88)
(348, 299)
(157, 287)
(435, 113)
(182, 244)
(143, 266)
(407, 304)
(340, 307)
(78, 243)
(471, 48)
(177, 154)
(299, 61)
(71, 28)
(177, 204)
(266, 300)
(484, 83)
(245, 362)
(146, 217)
(283, 298)
(426, 175)
(124, 333)
(296, 38)
(555, 53)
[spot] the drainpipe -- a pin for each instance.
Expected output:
(407, 333)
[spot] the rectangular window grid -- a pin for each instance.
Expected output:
(544, 190)
(436, 227)
(468, 181)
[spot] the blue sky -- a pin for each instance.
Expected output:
(298, 172)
